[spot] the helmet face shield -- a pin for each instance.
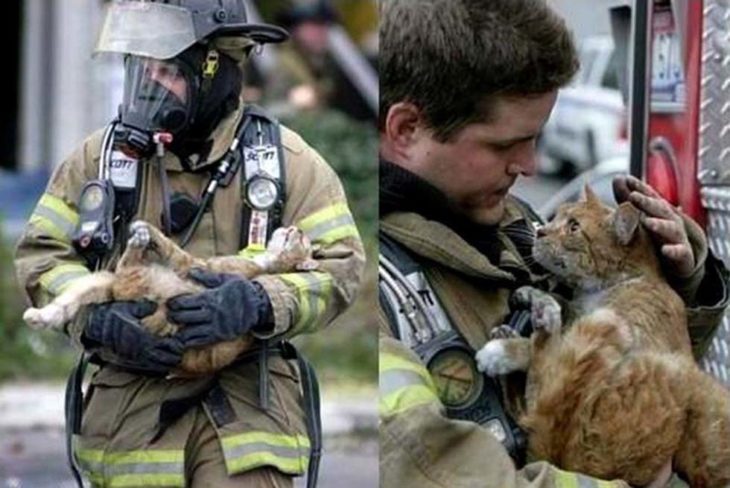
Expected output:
(153, 30)
(163, 30)
(158, 95)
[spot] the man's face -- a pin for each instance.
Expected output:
(480, 163)
(168, 75)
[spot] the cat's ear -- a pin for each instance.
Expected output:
(590, 198)
(625, 222)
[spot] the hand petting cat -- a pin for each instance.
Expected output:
(662, 220)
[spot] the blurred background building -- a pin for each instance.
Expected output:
(60, 93)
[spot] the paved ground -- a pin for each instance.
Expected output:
(32, 444)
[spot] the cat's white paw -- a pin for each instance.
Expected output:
(49, 317)
(288, 240)
(139, 234)
(290, 244)
(494, 360)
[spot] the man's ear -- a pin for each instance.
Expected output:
(625, 222)
(401, 124)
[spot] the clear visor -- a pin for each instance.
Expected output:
(152, 30)
(157, 95)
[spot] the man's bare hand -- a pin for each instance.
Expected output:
(663, 222)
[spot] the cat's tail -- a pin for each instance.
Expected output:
(704, 452)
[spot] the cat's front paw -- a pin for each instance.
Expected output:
(290, 247)
(504, 331)
(49, 317)
(139, 234)
(493, 359)
(545, 311)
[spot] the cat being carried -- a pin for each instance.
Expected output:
(155, 268)
(613, 393)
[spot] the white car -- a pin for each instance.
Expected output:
(588, 122)
(600, 178)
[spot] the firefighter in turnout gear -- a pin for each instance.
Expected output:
(180, 120)
(465, 89)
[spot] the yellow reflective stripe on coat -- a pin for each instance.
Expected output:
(252, 250)
(404, 385)
(329, 224)
(54, 216)
(288, 453)
(565, 479)
(133, 468)
(58, 279)
(313, 292)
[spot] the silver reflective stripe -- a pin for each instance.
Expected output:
(585, 482)
(115, 469)
(59, 222)
(90, 466)
(257, 447)
(146, 468)
(394, 380)
(314, 295)
(313, 290)
(320, 230)
(58, 284)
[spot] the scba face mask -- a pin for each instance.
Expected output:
(156, 34)
(159, 97)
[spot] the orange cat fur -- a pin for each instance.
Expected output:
(615, 393)
(154, 268)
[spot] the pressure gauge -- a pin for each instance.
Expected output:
(92, 197)
(262, 192)
(458, 382)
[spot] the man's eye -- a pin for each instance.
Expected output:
(502, 146)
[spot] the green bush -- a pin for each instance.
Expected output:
(350, 147)
(25, 354)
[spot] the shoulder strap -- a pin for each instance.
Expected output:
(263, 156)
(411, 306)
(392, 252)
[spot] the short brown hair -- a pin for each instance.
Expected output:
(452, 58)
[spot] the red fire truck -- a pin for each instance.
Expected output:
(678, 87)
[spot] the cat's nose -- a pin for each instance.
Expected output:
(540, 232)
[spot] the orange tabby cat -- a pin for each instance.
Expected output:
(615, 393)
(155, 268)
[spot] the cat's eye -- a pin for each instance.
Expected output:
(573, 226)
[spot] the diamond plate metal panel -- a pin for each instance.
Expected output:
(717, 202)
(714, 132)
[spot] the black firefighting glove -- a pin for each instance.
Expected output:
(231, 307)
(117, 327)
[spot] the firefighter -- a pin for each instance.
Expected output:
(306, 75)
(465, 89)
(187, 156)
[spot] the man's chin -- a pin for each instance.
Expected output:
(491, 215)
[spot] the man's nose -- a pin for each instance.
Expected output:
(524, 162)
